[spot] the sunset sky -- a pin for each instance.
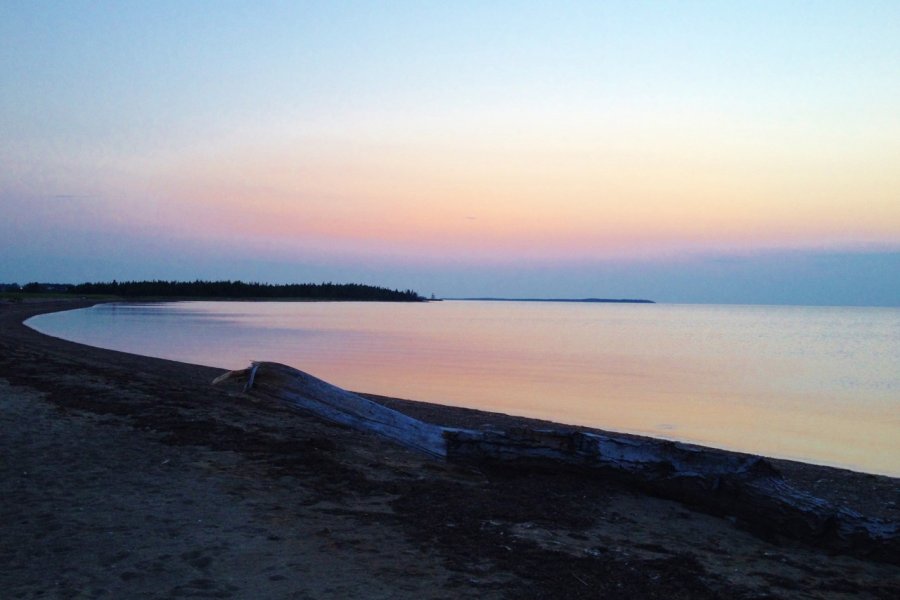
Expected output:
(681, 151)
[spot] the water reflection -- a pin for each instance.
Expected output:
(818, 384)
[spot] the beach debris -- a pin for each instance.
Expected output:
(729, 484)
(337, 405)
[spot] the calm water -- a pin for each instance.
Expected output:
(810, 383)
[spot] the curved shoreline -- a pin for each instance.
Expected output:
(449, 416)
(840, 443)
(380, 516)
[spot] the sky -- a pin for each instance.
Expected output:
(723, 152)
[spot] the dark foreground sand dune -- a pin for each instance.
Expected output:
(129, 477)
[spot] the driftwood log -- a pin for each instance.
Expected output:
(742, 486)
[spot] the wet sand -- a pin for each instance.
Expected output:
(131, 477)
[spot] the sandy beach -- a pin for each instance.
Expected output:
(131, 477)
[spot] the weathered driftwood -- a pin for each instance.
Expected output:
(727, 483)
(340, 406)
(724, 483)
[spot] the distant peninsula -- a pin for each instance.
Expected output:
(231, 290)
(587, 300)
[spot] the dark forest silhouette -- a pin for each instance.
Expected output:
(229, 289)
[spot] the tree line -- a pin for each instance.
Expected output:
(229, 289)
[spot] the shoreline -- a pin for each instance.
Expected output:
(510, 419)
(451, 530)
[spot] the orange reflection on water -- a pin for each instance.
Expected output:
(814, 384)
(766, 380)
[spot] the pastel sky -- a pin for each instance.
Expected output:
(682, 151)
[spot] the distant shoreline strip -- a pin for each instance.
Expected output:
(586, 300)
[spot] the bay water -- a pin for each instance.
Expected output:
(816, 384)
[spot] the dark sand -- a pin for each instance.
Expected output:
(130, 477)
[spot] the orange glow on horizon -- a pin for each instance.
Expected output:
(526, 195)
